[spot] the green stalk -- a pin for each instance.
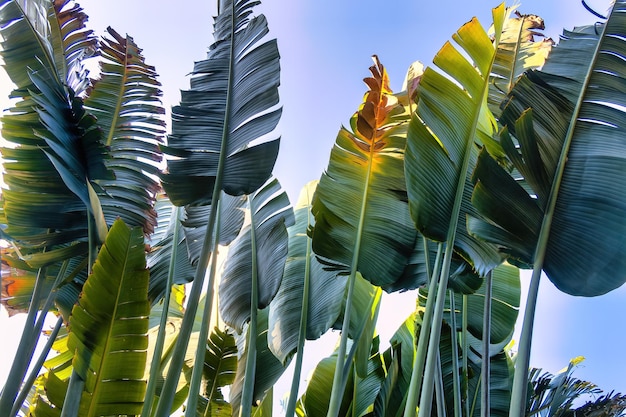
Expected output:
(73, 395)
(198, 366)
(247, 393)
(169, 388)
(338, 380)
(435, 330)
(455, 358)
(155, 365)
(440, 396)
(420, 359)
(485, 402)
(25, 350)
(36, 368)
(297, 372)
(465, 351)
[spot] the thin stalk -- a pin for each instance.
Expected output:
(420, 359)
(520, 378)
(36, 330)
(464, 352)
(522, 363)
(304, 312)
(155, 365)
(485, 402)
(34, 373)
(435, 332)
(338, 380)
(73, 395)
(455, 357)
(440, 395)
(25, 350)
(169, 388)
(247, 393)
(198, 366)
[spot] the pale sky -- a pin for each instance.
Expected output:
(325, 51)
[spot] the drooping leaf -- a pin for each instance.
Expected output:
(232, 101)
(161, 252)
(259, 251)
(232, 213)
(39, 208)
(126, 102)
(565, 135)
(325, 288)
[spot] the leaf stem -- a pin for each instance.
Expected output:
(485, 402)
(198, 366)
(304, 312)
(247, 394)
(155, 367)
(455, 356)
(420, 359)
(28, 383)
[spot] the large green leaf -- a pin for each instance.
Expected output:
(452, 117)
(566, 137)
(259, 252)
(126, 102)
(108, 339)
(324, 294)
(361, 215)
(232, 102)
(231, 215)
(222, 139)
(39, 207)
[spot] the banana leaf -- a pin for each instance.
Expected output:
(522, 46)
(259, 252)
(323, 294)
(564, 135)
(241, 72)
(108, 340)
(126, 102)
(361, 215)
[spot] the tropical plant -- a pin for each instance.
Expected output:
(99, 234)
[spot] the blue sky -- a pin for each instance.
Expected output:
(326, 49)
